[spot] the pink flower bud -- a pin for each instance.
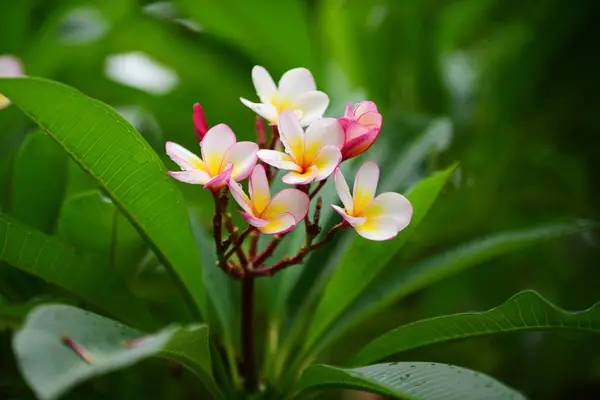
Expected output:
(200, 124)
(361, 128)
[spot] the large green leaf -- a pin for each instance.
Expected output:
(525, 311)
(38, 182)
(364, 259)
(58, 263)
(410, 381)
(395, 283)
(51, 366)
(119, 160)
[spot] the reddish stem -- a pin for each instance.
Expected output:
(316, 190)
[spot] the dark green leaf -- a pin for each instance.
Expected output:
(410, 381)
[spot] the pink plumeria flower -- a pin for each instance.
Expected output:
(374, 218)
(10, 67)
(296, 91)
(275, 215)
(361, 128)
(310, 156)
(222, 158)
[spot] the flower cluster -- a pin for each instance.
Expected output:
(309, 148)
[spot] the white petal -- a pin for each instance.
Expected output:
(323, 132)
(343, 190)
(390, 205)
(239, 196)
(10, 66)
(254, 221)
(326, 162)
(378, 229)
(297, 178)
(296, 81)
(313, 105)
(291, 134)
(291, 201)
(278, 159)
(279, 224)
(365, 185)
(354, 221)
(215, 143)
(183, 157)
(258, 187)
(243, 157)
(263, 83)
(267, 111)
(193, 176)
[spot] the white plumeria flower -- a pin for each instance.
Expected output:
(296, 91)
(374, 218)
(223, 158)
(311, 156)
(10, 67)
(271, 216)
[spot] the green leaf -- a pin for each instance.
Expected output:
(410, 381)
(38, 182)
(120, 161)
(364, 259)
(525, 311)
(11, 315)
(51, 366)
(395, 283)
(58, 263)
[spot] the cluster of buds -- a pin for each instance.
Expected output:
(310, 149)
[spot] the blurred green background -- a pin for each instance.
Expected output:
(507, 87)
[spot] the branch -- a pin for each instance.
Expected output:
(316, 190)
(237, 242)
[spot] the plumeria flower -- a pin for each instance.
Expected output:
(374, 218)
(296, 92)
(222, 159)
(10, 66)
(310, 156)
(361, 128)
(279, 214)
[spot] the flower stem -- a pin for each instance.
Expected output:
(316, 190)
(247, 333)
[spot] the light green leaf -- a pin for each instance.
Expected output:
(120, 161)
(38, 182)
(58, 263)
(397, 282)
(364, 259)
(410, 381)
(51, 366)
(525, 311)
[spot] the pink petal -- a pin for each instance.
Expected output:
(183, 157)
(291, 134)
(267, 111)
(193, 176)
(279, 224)
(221, 179)
(349, 113)
(355, 130)
(354, 221)
(217, 140)
(297, 178)
(296, 81)
(323, 132)
(371, 120)
(343, 190)
(292, 201)
(239, 196)
(391, 206)
(258, 188)
(364, 107)
(278, 159)
(326, 162)
(263, 83)
(200, 124)
(254, 221)
(243, 157)
(313, 105)
(359, 144)
(378, 229)
(365, 185)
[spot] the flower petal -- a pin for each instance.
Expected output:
(183, 157)
(312, 104)
(364, 107)
(243, 157)
(359, 144)
(10, 66)
(349, 113)
(371, 120)
(216, 142)
(263, 83)
(221, 179)
(278, 159)
(297, 178)
(267, 111)
(365, 185)
(292, 201)
(322, 132)
(193, 176)
(4, 102)
(291, 134)
(378, 229)
(279, 224)
(258, 188)
(326, 161)
(296, 81)
(391, 206)
(354, 221)
(254, 221)
(343, 190)
(240, 197)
